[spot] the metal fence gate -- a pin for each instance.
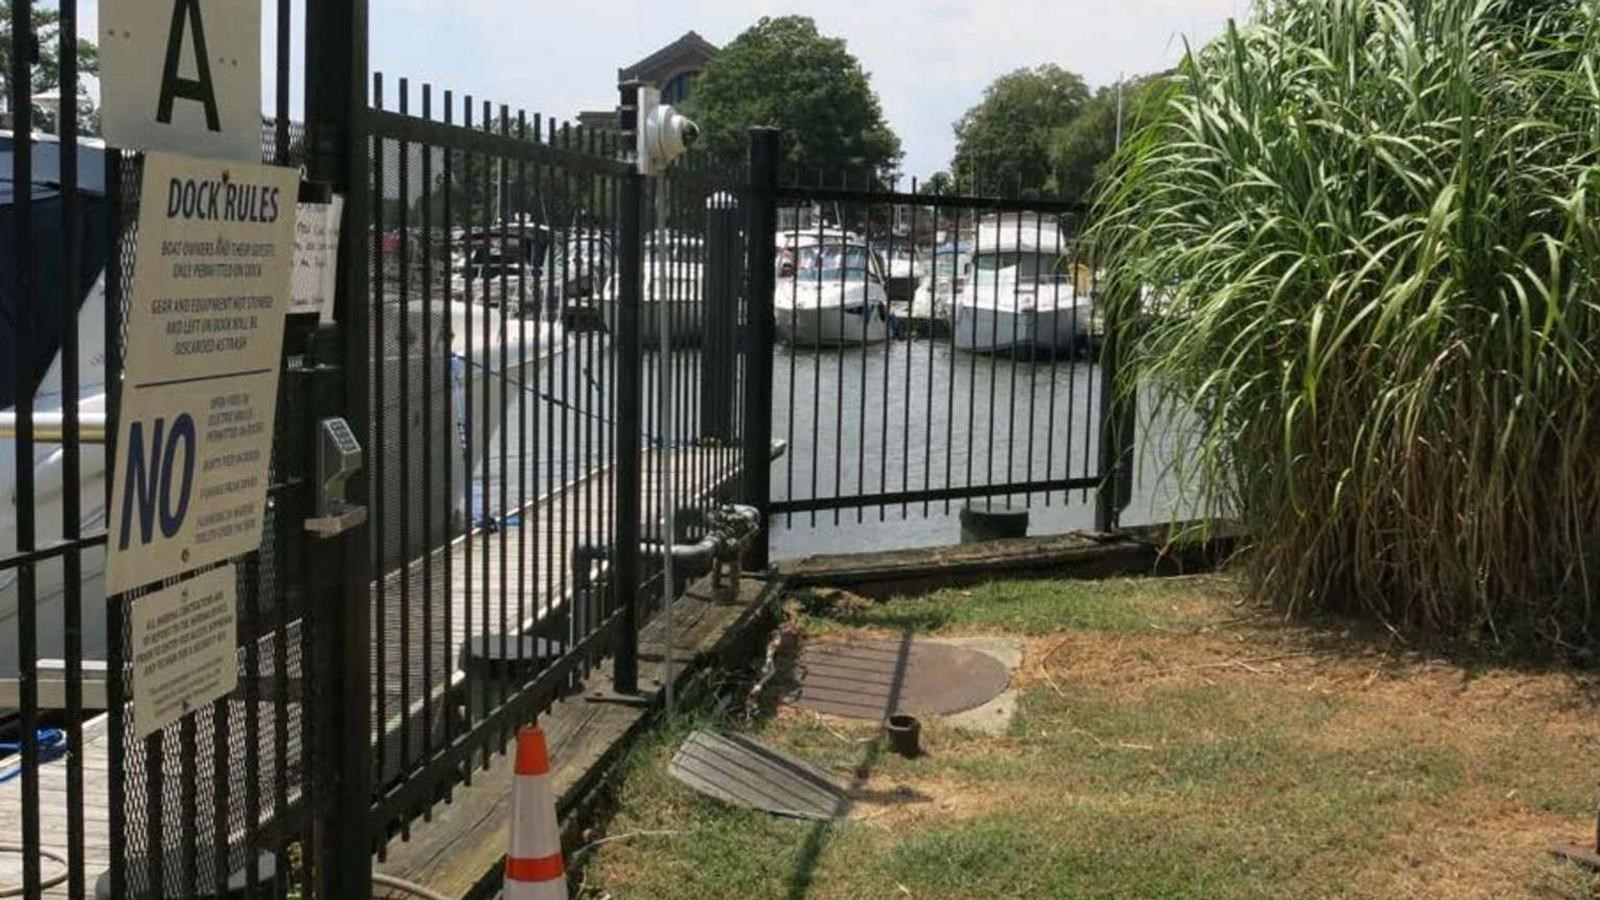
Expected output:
(559, 370)
(938, 350)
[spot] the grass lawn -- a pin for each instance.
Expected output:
(1171, 742)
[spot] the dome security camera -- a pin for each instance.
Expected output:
(664, 133)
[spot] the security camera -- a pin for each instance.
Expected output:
(664, 133)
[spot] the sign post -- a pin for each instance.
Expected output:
(211, 286)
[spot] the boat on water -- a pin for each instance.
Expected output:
(1021, 293)
(674, 283)
(831, 293)
(902, 270)
(935, 296)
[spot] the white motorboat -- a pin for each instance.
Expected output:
(936, 294)
(902, 270)
(831, 294)
(674, 278)
(1020, 293)
(45, 388)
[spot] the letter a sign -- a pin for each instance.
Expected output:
(182, 76)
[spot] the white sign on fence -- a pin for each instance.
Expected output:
(182, 643)
(200, 379)
(182, 75)
(316, 257)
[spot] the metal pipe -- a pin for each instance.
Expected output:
(51, 427)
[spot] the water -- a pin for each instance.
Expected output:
(902, 417)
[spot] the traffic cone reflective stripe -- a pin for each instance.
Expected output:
(534, 868)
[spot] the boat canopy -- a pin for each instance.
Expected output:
(49, 269)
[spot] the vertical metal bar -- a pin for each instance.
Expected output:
(473, 448)
(429, 374)
(115, 605)
(188, 847)
(486, 401)
(280, 139)
(223, 788)
(507, 628)
(1033, 356)
(531, 463)
(933, 342)
(838, 400)
(23, 56)
(529, 518)
(629, 284)
(794, 324)
(336, 103)
(1055, 375)
(72, 494)
(252, 723)
(379, 455)
(155, 817)
(816, 364)
(448, 420)
(954, 363)
(761, 228)
(403, 562)
(905, 408)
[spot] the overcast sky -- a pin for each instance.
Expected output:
(929, 60)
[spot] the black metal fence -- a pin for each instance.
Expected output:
(507, 448)
(559, 369)
(934, 351)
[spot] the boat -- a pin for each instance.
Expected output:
(902, 271)
(1020, 293)
(674, 280)
(935, 296)
(831, 293)
(46, 362)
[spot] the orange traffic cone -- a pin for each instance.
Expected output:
(534, 870)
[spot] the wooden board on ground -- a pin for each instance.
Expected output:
(457, 852)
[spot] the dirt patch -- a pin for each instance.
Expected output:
(899, 801)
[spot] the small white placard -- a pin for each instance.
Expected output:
(182, 640)
(316, 257)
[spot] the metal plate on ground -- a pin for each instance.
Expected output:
(873, 679)
(742, 772)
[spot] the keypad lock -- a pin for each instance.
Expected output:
(339, 458)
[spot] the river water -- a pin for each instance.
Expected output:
(898, 418)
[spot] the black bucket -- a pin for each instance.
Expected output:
(905, 735)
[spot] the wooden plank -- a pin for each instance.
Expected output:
(466, 840)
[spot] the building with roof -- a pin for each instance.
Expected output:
(672, 70)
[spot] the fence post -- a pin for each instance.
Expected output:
(761, 280)
(724, 261)
(336, 106)
(1117, 419)
(630, 379)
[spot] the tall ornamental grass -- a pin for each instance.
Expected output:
(1354, 251)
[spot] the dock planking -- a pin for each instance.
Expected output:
(510, 578)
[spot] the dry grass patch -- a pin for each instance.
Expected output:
(1170, 743)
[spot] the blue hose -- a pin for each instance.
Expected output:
(52, 746)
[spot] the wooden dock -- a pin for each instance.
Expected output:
(511, 579)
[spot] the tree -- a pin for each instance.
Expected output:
(1080, 150)
(47, 71)
(939, 184)
(782, 72)
(1003, 143)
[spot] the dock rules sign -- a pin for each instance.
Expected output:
(211, 287)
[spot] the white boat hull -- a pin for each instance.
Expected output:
(686, 321)
(991, 330)
(832, 326)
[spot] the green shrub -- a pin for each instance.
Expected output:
(1353, 252)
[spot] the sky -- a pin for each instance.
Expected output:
(929, 60)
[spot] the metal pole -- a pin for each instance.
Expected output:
(761, 280)
(630, 377)
(336, 106)
(669, 511)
